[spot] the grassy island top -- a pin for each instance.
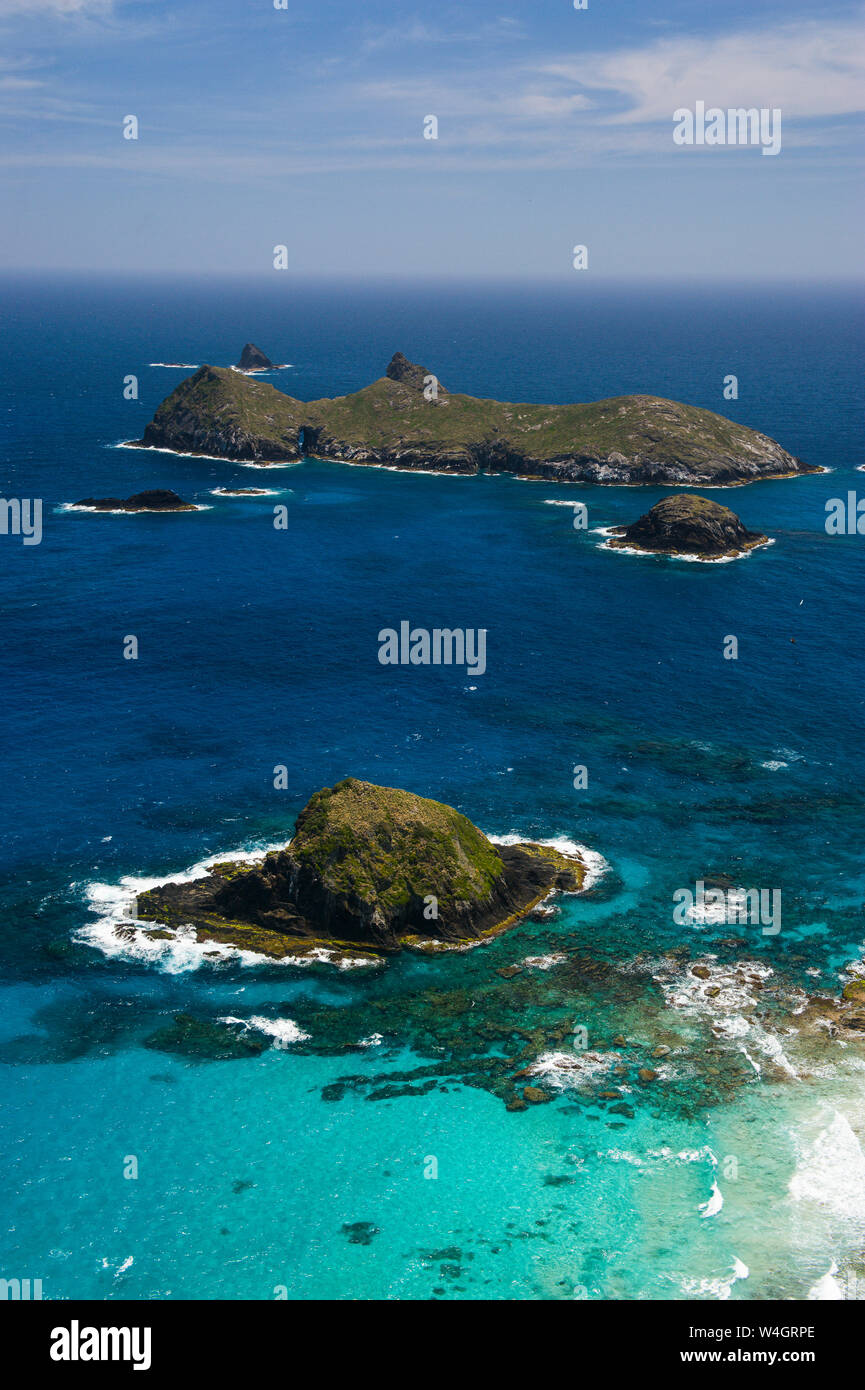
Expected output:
(387, 846)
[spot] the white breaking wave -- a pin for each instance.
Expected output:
(259, 371)
(830, 1171)
(118, 933)
(594, 863)
(258, 492)
(702, 1155)
(828, 1287)
(714, 1204)
(719, 1288)
(266, 463)
(566, 1069)
(394, 468)
(623, 1156)
(706, 914)
(689, 559)
(730, 1010)
(156, 449)
(283, 1031)
(126, 511)
(782, 757)
(771, 1046)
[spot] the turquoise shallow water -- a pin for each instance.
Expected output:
(248, 1184)
(302, 1170)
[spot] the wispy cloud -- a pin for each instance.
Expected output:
(810, 69)
(620, 102)
(520, 111)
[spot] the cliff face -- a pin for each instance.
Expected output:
(223, 414)
(629, 439)
(372, 865)
(688, 525)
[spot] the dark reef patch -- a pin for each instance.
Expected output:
(360, 1232)
(205, 1040)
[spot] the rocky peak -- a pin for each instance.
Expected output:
(252, 359)
(409, 373)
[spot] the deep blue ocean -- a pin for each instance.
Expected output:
(275, 1175)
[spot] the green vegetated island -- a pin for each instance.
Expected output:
(409, 420)
(369, 867)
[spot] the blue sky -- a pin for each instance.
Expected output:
(304, 126)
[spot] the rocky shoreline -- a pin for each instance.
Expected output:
(680, 1032)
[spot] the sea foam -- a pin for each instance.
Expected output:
(830, 1170)
(594, 863)
(282, 1031)
(119, 934)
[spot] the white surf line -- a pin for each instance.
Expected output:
(592, 861)
(687, 557)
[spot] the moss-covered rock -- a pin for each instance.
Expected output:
(371, 865)
(534, 1095)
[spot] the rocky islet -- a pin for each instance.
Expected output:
(369, 866)
(686, 524)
